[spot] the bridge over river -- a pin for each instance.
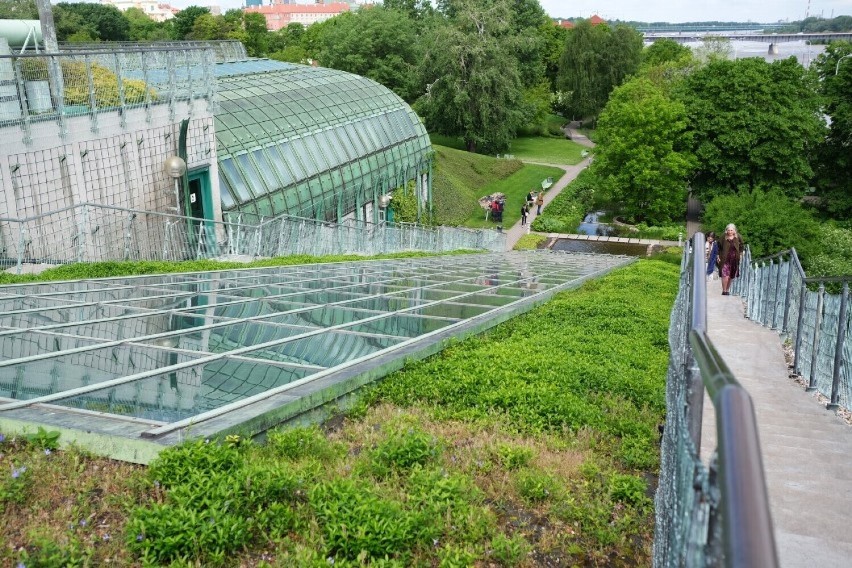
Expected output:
(773, 39)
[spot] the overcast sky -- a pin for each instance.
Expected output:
(762, 11)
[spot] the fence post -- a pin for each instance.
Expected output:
(802, 298)
(817, 324)
(776, 295)
(787, 294)
(21, 245)
(764, 316)
(838, 349)
(84, 228)
(128, 237)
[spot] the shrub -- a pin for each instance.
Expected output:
(769, 222)
(513, 457)
(530, 242)
(403, 448)
(627, 489)
(296, 443)
(178, 464)
(356, 521)
(163, 533)
(14, 485)
(509, 551)
(46, 552)
(535, 485)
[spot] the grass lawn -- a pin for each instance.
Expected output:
(448, 141)
(547, 150)
(515, 187)
(531, 148)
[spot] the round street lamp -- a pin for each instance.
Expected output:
(175, 167)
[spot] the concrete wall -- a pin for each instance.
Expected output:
(112, 158)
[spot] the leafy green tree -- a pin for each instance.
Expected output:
(713, 48)
(71, 27)
(377, 43)
(18, 10)
(183, 22)
(664, 51)
(253, 34)
(108, 23)
(753, 125)
(209, 27)
(596, 59)
(416, 9)
(834, 155)
(768, 221)
(554, 38)
(143, 28)
(474, 87)
(637, 158)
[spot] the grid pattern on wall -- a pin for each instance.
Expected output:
(183, 347)
(311, 142)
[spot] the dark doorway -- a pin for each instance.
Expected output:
(199, 206)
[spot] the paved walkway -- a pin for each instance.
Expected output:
(517, 230)
(806, 449)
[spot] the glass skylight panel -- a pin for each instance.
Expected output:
(167, 348)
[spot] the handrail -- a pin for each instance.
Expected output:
(747, 533)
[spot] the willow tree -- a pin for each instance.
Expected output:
(595, 60)
(474, 90)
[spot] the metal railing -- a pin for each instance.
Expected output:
(817, 322)
(91, 232)
(718, 516)
(55, 86)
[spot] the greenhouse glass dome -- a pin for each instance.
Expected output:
(313, 142)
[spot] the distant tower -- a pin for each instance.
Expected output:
(808, 9)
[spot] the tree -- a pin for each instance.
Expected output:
(18, 10)
(596, 59)
(415, 9)
(143, 28)
(664, 51)
(108, 23)
(474, 87)
(209, 27)
(768, 221)
(183, 22)
(70, 26)
(554, 38)
(753, 125)
(713, 48)
(377, 43)
(834, 154)
(637, 158)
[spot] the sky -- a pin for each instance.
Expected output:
(761, 11)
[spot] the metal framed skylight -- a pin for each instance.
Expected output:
(168, 352)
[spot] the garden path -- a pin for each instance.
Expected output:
(515, 232)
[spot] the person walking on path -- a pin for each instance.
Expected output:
(728, 260)
(524, 210)
(539, 202)
(711, 253)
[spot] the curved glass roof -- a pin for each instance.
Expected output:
(310, 141)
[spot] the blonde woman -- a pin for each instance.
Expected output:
(730, 251)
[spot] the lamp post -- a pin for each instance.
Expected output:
(837, 67)
(175, 167)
